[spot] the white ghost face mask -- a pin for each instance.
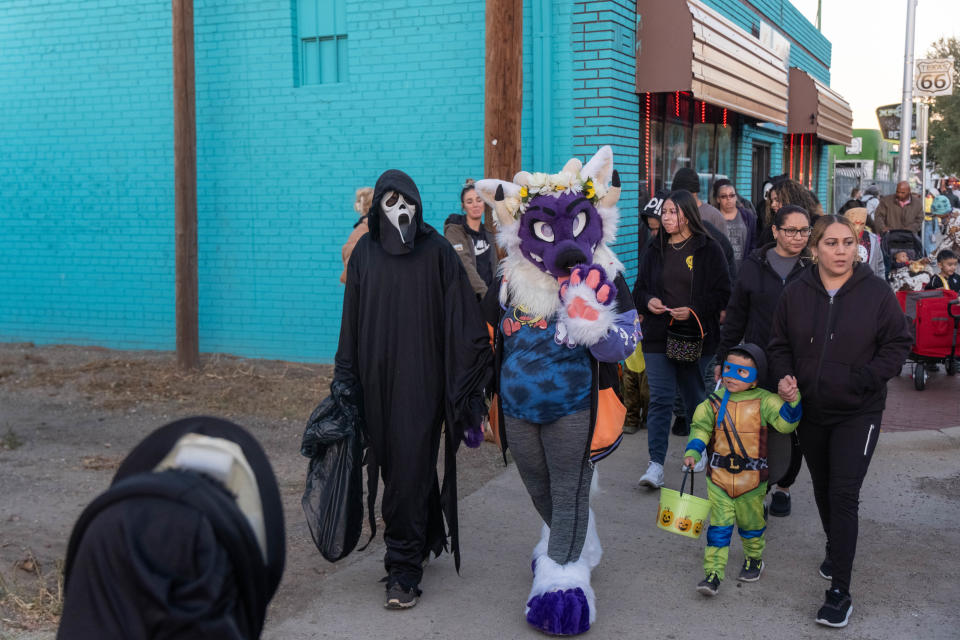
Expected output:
(400, 213)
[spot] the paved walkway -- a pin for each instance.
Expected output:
(936, 406)
(905, 582)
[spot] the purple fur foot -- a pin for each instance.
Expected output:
(560, 613)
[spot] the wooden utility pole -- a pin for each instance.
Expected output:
(503, 91)
(185, 179)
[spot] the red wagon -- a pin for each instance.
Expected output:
(934, 317)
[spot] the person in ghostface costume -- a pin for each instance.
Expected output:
(413, 345)
(188, 541)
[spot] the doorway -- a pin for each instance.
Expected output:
(760, 168)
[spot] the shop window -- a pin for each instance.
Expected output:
(322, 41)
(680, 131)
(801, 158)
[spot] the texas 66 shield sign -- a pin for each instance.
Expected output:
(934, 77)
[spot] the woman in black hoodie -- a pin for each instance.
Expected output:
(763, 276)
(838, 334)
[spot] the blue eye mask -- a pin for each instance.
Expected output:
(742, 372)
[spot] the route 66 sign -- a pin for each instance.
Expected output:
(934, 77)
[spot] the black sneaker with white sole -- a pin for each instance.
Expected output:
(780, 504)
(826, 569)
(752, 568)
(836, 609)
(399, 596)
(709, 585)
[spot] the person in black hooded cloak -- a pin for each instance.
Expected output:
(413, 344)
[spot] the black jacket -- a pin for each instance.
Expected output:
(842, 350)
(753, 301)
(711, 290)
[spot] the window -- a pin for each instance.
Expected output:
(322, 39)
(680, 131)
(801, 158)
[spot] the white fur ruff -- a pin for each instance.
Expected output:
(581, 330)
(527, 286)
(592, 550)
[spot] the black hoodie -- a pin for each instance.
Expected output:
(381, 229)
(843, 349)
(753, 301)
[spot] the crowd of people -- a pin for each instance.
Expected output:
(764, 335)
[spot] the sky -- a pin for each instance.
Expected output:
(868, 38)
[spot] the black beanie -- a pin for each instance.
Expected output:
(686, 178)
(756, 354)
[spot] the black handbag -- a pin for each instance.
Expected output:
(684, 346)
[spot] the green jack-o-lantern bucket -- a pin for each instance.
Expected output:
(682, 513)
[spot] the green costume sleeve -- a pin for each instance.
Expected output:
(782, 416)
(701, 430)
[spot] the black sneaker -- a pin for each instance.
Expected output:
(780, 504)
(752, 568)
(680, 426)
(400, 597)
(709, 585)
(836, 609)
(826, 569)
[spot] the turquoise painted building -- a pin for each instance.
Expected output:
(298, 103)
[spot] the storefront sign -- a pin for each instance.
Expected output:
(889, 119)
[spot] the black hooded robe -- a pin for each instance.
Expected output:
(413, 339)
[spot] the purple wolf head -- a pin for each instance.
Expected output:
(559, 232)
(557, 221)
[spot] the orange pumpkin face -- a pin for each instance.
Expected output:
(698, 527)
(665, 517)
(684, 524)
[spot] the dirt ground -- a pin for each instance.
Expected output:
(69, 415)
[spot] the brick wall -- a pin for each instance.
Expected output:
(607, 110)
(86, 176)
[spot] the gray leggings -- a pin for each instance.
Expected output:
(552, 462)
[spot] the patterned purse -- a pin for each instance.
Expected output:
(683, 346)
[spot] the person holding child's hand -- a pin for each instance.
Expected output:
(731, 432)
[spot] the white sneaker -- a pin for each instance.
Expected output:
(653, 478)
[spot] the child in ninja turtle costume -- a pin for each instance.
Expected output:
(732, 432)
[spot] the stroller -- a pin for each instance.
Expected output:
(898, 240)
(934, 318)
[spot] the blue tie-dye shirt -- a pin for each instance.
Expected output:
(541, 379)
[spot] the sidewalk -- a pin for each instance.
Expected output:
(905, 582)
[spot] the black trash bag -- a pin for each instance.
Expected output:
(333, 498)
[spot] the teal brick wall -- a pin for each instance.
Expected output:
(86, 177)
(607, 111)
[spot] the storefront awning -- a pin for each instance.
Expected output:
(818, 109)
(682, 45)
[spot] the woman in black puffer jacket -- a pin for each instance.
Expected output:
(838, 334)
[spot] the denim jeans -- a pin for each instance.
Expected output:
(928, 236)
(665, 377)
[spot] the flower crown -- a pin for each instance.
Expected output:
(556, 184)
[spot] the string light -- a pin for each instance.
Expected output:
(800, 170)
(647, 141)
(791, 156)
(703, 112)
(810, 172)
(676, 103)
(724, 117)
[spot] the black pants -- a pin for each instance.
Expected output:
(838, 455)
(796, 461)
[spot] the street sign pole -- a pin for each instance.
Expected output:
(923, 123)
(906, 111)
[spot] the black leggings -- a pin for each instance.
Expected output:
(838, 455)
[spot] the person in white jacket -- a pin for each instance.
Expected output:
(869, 249)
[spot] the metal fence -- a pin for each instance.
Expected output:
(845, 179)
